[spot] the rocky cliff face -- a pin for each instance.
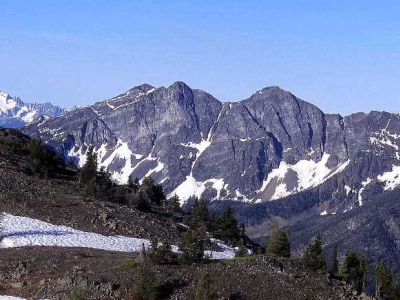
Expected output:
(269, 146)
(14, 113)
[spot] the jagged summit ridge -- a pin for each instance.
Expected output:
(268, 146)
(15, 113)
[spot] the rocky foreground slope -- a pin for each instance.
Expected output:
(59, 273)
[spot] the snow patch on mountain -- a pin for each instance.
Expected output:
(23, 232)
(107, 156)
(192, 188)
(391, 179)
(363, 186)
(120, 151)
(288, 179)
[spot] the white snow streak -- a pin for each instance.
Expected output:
(363, 185)
(391, 178)
(23, 231)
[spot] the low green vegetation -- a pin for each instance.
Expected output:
(127, 265)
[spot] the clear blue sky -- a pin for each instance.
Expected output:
(343, 56)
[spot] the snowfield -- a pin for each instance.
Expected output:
(23, 231)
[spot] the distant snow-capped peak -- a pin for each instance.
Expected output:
(14, 113)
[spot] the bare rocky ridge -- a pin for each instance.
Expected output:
(268, 146)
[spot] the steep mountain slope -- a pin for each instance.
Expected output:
(14, 113)
(269, 146)
(64, 273)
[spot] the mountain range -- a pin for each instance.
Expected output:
(267, 147)
(273, 157)
(15, 113)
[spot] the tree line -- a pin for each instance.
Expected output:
(353, 269)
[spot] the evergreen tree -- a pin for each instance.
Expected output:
(88, 174)
(173, 204)
(334, 262)
(42, 161)
(278, 245)
(242, 250)
(160, 252)
(141, 201)
(104, 185)
(89, 169)
(383, 281)
(314, 256)
(146, 286)
(130, 184)
(203, 287)
(226, 227)
(192, 245)
(354, 270)
(1, 227)
(154, 191)
(136, 185)
(36, 155)
(199, 215)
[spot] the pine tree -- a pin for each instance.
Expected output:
(146, 286)
(173, 204)
(199, 215)
(278, 245)
(314, 256)
(354, 270)
(383, 281)
(130, 183)
(192, 245)
(226, 227)
(334, 262)
(136, 185)
(242, 250)
(88, 173)
(89, 169)
(203, 287)
(1, 227)
(154, 191)
(141, 201)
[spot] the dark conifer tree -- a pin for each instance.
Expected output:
(203, 288)
(130, 184)
(383, 281)
(226, 227)
(146, 286)
(199, 215)
(314, 256)
(335, 262)
(154, 191)
(354, 270)
(278, 245)
(192, 245)
(88, 174)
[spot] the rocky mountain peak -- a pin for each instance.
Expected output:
(15, 113)
(144, 87)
